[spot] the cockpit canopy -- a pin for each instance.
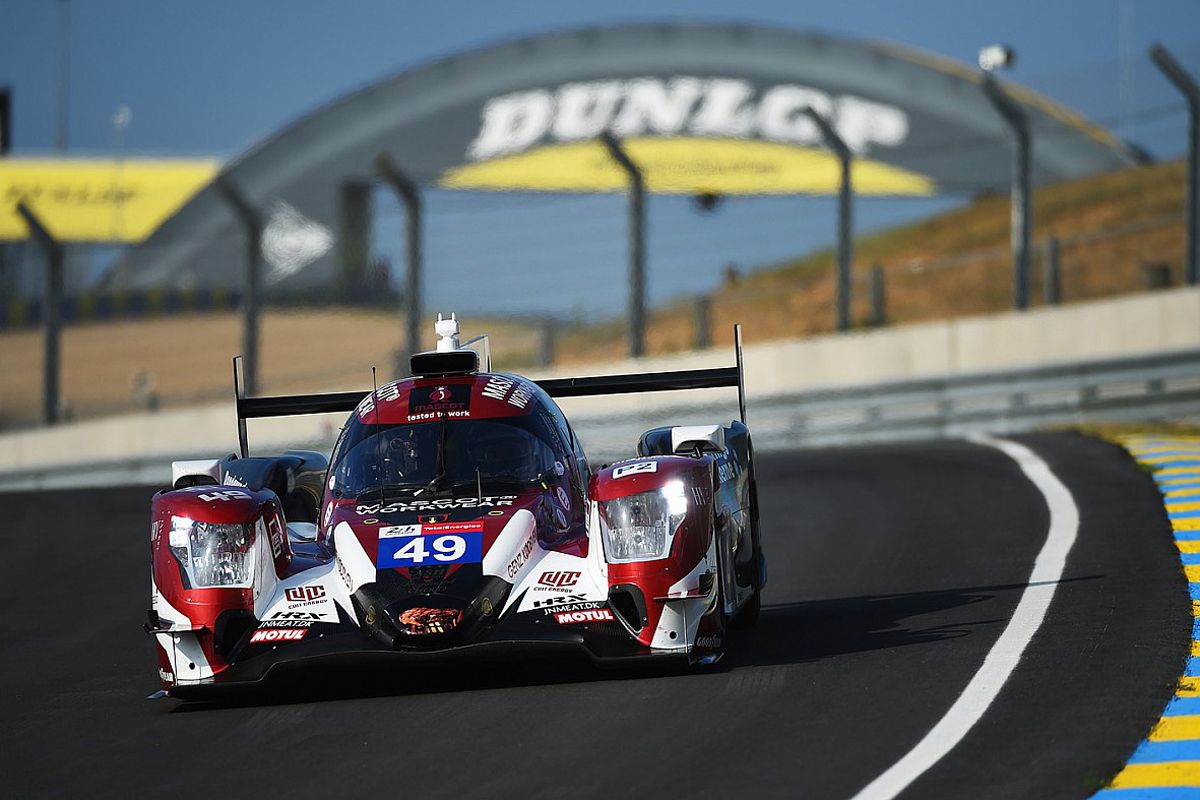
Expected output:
(445, 453)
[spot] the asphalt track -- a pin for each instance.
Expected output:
(893, 570)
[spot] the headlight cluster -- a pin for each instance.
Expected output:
(213, 553)
(641, 527)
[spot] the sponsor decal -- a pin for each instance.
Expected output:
(276, 536)
(165, 675)
(727, 470)
(682, 105)
(432, 547)
(387, 394)
(590, 615)
(304, 595)
(395, 531)
(522, 556)
(434, 402)
(233, 480)
(344, 574)
(585, 606)
(329, 508)
(278, 635)
(223, 496)
(557, 579)
(288, 623)
(561, 493)
(712, 642)
(421, 621)
(435, 504)
(509, 390)
(485, 606)
(547, 602)
(639, 468)
(155, 531)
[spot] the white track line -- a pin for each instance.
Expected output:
(1006, 652)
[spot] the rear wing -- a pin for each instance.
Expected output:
(299, 404)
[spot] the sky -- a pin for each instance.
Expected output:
(214, 77)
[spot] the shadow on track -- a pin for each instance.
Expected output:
(793, 633)
(789, 633)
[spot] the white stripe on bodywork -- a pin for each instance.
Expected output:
(353, 560)
(1002, 659)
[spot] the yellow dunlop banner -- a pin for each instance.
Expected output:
(686, 165)
(96, 200)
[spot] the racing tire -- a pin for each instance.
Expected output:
(747, 616)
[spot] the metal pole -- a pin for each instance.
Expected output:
(878, 297)
(703, 321)
(52, 249)
(1051, 280)
(410, 196)
(845, 245)
(1022, 196)
(637, 244)
(1187, 85)
(64, 78)
(546, 343)
(252, 224)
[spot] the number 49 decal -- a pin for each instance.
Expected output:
(446, 548)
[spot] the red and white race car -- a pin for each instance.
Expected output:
(457, 514)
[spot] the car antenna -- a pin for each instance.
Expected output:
(375, 409)
(479, 485)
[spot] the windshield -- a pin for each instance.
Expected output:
(406, 456)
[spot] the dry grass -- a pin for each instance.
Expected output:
(954, 264)
(189, 358)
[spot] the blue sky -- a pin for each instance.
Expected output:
(214, 77)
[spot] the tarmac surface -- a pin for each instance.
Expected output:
(893, 570)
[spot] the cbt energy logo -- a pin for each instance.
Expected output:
(682, 105)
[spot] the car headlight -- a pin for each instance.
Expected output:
(213, 553)
(641, 527)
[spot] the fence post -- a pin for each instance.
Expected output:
(1051, 276)
(878, 297)
(702, 319)
(546, 343)
(637, 244)
(1187, 85)
(410, 196)
(845, 245)
(252, 223)
(1022, 195)
(52, 287)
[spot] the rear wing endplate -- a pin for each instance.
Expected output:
(296, 405)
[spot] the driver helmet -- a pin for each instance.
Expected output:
(502, 453)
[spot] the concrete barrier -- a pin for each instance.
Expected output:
(1126, 326)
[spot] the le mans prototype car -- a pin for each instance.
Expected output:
(456, 515)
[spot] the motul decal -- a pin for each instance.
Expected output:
(635, 469)
(558, 579)
(278, 635)
(591, 615)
